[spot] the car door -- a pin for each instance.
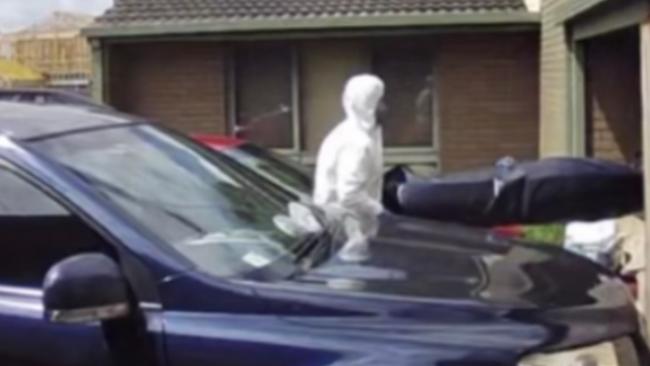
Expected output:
(35, 233)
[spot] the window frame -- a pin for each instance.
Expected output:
(295, 102)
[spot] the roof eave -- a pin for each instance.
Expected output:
(582, 8)
(312, 23)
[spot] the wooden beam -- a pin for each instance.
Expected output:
(576, 8)
(577, 103)
(613, 17)
(645, 102)
(98, 81)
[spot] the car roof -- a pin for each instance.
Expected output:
(27, 121)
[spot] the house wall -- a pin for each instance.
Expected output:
(487, 90)
(554, 77)
(571, 121)
(488, 98)
(181, 85)
(613, 96)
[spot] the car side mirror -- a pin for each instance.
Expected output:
(83, 289)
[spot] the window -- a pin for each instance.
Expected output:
(407, 70)
(36, 232)
(273, 167)
(264, 94)
(268, 98)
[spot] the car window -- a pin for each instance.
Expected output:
(277, 170)
(19, 198)
(36, 232)
(10, 97)
(196, 202)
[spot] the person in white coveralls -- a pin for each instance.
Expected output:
(349, 168)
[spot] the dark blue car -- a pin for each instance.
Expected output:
(126, 244)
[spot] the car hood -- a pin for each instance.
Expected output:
(425, 259)
(468, 270)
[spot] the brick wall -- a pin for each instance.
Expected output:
(181, 85)
(488, 93)
(613, 96)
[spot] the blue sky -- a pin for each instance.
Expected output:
(15, 14)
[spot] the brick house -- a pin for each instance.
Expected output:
(462, 76)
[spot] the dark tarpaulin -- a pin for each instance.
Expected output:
(550, 190)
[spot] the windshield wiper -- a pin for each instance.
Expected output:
(307, 251)
(305, 246)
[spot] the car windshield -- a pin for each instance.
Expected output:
(277, 170)
(192, 199)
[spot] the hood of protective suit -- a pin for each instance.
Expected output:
(360, 100)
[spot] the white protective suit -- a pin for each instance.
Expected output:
(349, 169)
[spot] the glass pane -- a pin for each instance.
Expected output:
(195, 203)
(263, 95)
(36, 233)
(19, 198)
(279, 171)
(325, 67)
(408, 74)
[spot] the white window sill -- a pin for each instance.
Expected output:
(392, 156)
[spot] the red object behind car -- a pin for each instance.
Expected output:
(219, 142)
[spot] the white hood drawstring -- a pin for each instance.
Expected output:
(349, 169)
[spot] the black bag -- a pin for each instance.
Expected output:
(544, 191)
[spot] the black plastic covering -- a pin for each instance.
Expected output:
(544, 191)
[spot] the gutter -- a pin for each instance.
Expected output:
(245, 25)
